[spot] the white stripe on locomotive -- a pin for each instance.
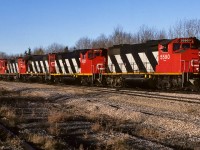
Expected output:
(120, 63)
(132, 62)
(155, 54)
(68, 66)
(28, 69)
(75, 65)
(62, 66)
(38, 67)
(14, 69)
(8, 66)
(42, 65)
(111, 65)
(56, 67)
(146, 62)
(47, 66)
(33, 66)
(17, 67)
(11, 68)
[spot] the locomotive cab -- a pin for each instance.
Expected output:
(180, 55)
(93, 61)
(3, 66)
(22, 65)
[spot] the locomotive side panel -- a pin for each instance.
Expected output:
(67, 63)
(132, 58)
(38, 64)
(12, 66)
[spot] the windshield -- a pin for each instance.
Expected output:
(178, 46)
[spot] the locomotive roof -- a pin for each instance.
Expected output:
(149, 43)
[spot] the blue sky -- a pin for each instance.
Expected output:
(35, 23)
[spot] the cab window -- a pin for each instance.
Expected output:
(93, 54)
(90, 55)
(83, 56)
(165, 48)
(176, 46)
(97, 53)
(186, 45)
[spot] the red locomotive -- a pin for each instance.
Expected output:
(157, 63)
(178, 56)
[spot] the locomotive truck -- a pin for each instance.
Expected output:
(162, 64)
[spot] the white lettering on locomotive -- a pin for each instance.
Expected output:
(83, 61)
(164, 57)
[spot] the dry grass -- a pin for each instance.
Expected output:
(149, 132)
(54, 129)
(7, 112)
(96, 127)
(9, 115)
(193, 111)
(56, 116)
(117, 143)
(13, 142)
(45, 142)
(86, 135)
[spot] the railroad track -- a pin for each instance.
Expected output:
(146, 94)
(140, 93)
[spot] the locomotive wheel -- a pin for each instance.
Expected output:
(197, 84)
(163, 84)
(86, 81)
(118, 82)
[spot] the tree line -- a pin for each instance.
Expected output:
(182, 28)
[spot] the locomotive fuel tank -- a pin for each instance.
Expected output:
(139, 81)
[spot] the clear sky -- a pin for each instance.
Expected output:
(35, 23)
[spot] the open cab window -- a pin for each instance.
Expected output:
(164, 48)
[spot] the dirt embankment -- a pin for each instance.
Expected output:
(69, 117)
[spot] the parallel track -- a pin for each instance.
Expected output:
(146, 94)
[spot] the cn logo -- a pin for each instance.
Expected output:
(52, 64)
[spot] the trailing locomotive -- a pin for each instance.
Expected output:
(159, 64)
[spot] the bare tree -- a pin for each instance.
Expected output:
(117, 36)
(55, 47)
(3, 55)
(84, 43)
(192, 28)
(145, 33)
(100, 42)
(39, 51)
(171, 34)
(185, 28)
(121, 37)
(161, 34)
